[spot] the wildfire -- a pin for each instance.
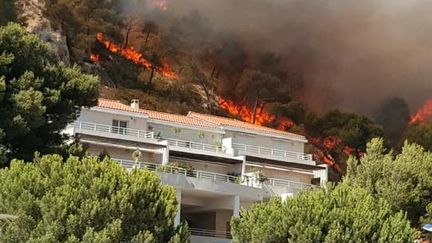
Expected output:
(94, 57)
(262, 117)
(424, 114)
(132, 55)
(323, 146)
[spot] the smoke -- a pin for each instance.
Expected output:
(351, 54)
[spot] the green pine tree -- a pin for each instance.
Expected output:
(38, 98)
(85, 200)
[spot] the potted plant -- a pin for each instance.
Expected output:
(177, 131)
(136, 156)
(261, 177)
(237, 177)
(201, 135)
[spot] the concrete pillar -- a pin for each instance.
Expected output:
(177, 219)
(324, 175)
(236, 206)
(243, 170)
(165, 156)
(227, 144)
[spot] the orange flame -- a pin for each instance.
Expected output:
(166, 70)
(262, 117)
(424, 113)
(134, 56)
(94, 57)
(323, 145)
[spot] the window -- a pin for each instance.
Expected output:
(119, 126)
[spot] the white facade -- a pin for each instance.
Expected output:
(215, 169)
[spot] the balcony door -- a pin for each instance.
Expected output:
(119, 127)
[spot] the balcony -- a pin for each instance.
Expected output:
(249, 181)
(200, 174)
(244, 149)
(104, 130)
(190, 145)
(294, 185)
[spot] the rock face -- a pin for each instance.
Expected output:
(32, 17)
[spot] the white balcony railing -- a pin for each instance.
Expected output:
(194, 145)
(180, 171)
(123, 131)
(295, 185)
(210, 233)
(129, 164)
(252, 149)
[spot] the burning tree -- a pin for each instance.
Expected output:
(336, 135)
(153, 62)
(257, 89)
(424, 114)
(420, 128)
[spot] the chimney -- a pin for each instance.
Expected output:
(134, 103)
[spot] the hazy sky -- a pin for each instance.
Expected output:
(353, 53)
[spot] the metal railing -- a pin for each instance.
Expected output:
(272, 152)
(298, 186)
(180, 171)
(152, 167)
(90, 126)
(200, 174)
(210, 233)
(194, 145)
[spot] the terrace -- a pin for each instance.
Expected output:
(208, 175)
(243, 149)
(104, 130)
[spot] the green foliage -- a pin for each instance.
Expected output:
(336, 214)
(85, 200)
(38, 98)
(420, 133)
(403, 181)
(354, 130)
(81, 20)
(348, 130)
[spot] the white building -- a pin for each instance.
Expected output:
(217, 165)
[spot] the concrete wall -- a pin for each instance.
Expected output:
(107, 118)
(280, 174)
(265, 141)
(187, 134)
(126, 154)
(222, 218)
(202, 220)
(209, 166)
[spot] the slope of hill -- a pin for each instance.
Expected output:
(140, 49)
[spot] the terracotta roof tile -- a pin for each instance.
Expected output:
(195, 119)
(224, 121)
(117, 105)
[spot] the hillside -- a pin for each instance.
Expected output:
(177, 63)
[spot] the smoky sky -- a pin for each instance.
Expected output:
(353, 54)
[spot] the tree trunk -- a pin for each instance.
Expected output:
(148, 35)
(209, 104)
(151, 76)
(126, 41)
(255, 110)
(213, 72)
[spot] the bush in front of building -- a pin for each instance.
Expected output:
(86, 200)
(336, 214)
